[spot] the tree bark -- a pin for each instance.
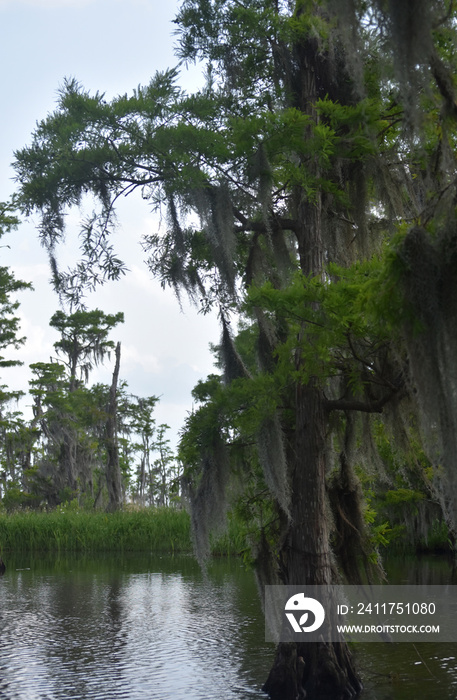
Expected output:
(113, 471)
(322, 671)
(328, 669)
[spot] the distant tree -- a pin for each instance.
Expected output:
(84, 343)
(16, 440)
(143, 428)
(64, 461)
(80, 432)
(9, 323)
(163, 465)
(84, 339)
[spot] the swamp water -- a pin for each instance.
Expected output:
(155, 628)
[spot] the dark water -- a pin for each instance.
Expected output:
(422, 671)
(131, 628)
(140, 627)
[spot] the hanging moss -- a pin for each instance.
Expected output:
(430, 286)
(262, 173)
(175, 226)
(234, 367)
(208, 499)
(272, 457)
(409, 23)
(266, 341)
(214, 206)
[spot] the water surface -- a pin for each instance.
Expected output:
(156, 628)
(421, 671)
(135, 627)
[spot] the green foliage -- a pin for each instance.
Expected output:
(9, 324)
(84, 338)
(8, 218)
(15, 499)
(437, 539)
(381, 534)
(343, 337)
(400, 496)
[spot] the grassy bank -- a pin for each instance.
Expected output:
(160, 530)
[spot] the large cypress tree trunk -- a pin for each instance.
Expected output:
(322, 671)
(317, 671)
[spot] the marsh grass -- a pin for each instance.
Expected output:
(157, 530)
(68, 529)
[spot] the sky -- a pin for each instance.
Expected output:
(110, 46)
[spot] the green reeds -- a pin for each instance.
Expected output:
(68, 529)
(161, 530)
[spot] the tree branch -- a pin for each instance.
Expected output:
(375, 406)
(444, 81)
(277, 223)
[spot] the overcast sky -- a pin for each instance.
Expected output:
(111, 46)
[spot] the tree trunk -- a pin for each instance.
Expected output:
(317, 671)
(113, 472)
(69, 467)
(323, 671)
(312, 670)
(308, 550)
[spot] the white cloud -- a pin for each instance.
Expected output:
(31, 273)
(132, 358)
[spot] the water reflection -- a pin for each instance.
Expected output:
(139, 627)
(166, 631)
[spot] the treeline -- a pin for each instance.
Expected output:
(96, 444)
